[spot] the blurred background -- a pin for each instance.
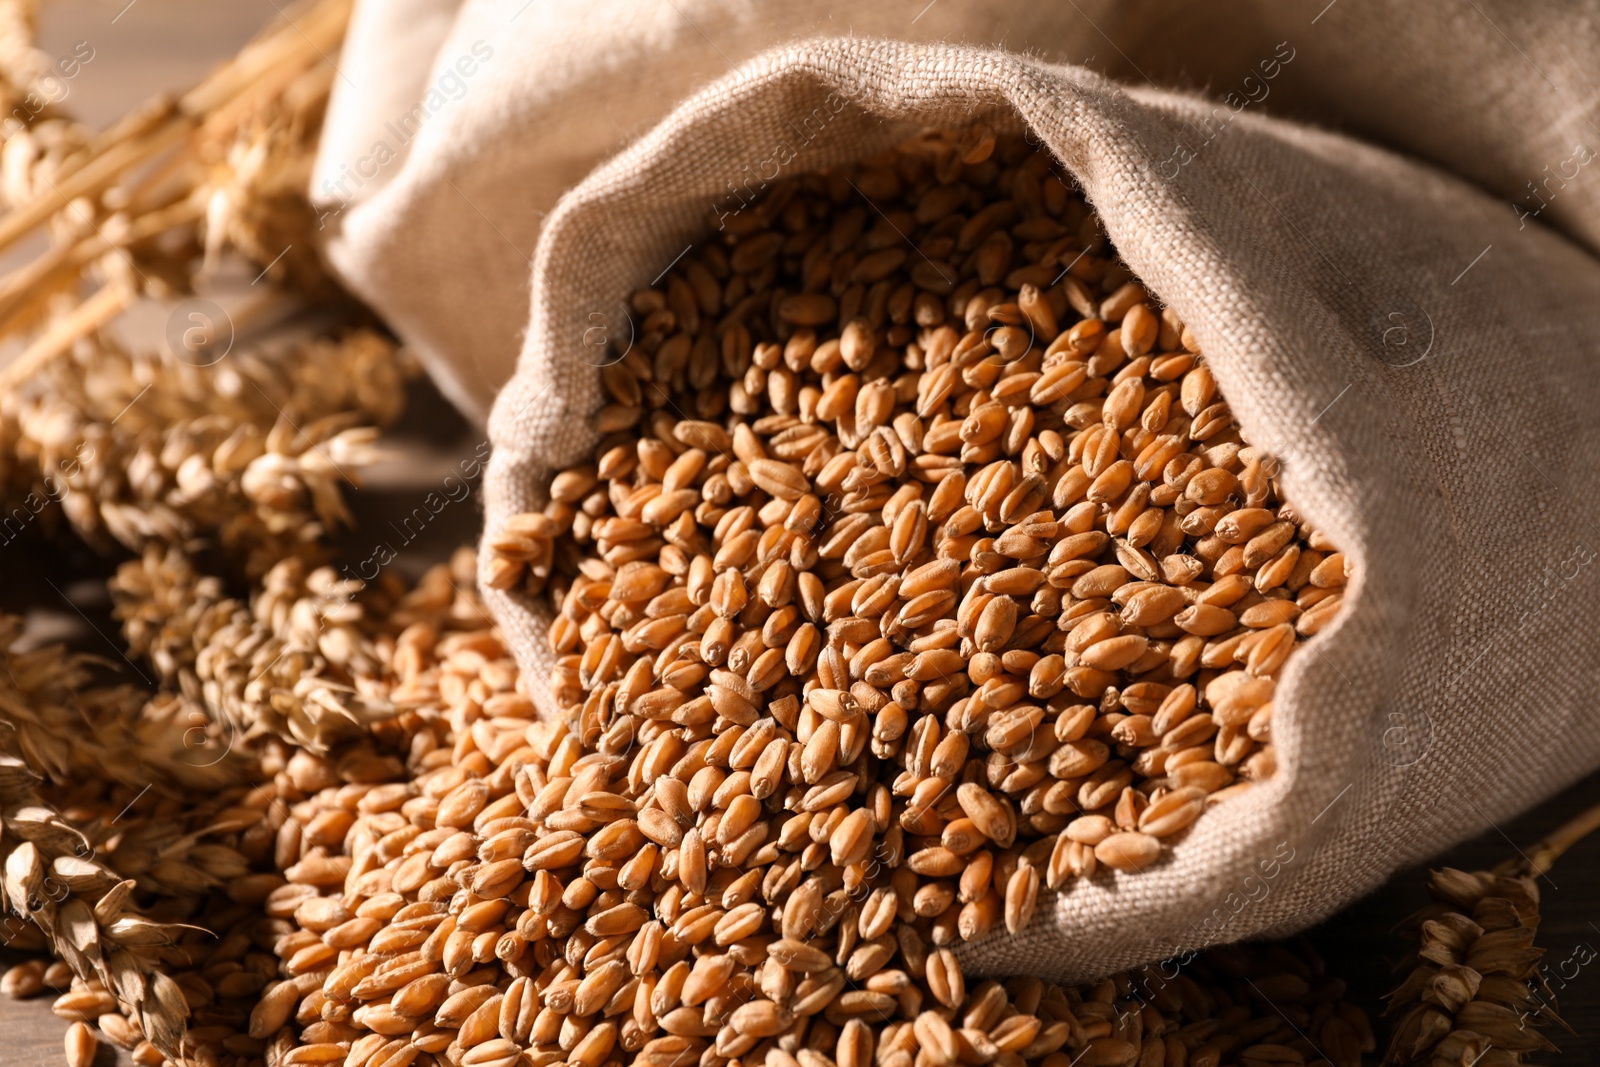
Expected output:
(144, 47)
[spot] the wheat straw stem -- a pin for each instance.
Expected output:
(23, 287)
(92, 177)
(106, 304)
(1543, 855)
(166, 123)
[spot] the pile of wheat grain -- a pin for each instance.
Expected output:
(907, 480)
(920, 566)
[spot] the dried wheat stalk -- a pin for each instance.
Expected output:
(52, 879)
(297, 661)
(1474, 986)
(230, 150)
(247, 456)
(22, 64)
(210, 862)
(66, 728)
(1475, 991)
(252, 452)
(251, 455)
(56, 875)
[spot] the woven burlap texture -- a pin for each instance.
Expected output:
(1421, 365)
(456, 124)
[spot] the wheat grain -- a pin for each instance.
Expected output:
(80, 1045)
(23, 980)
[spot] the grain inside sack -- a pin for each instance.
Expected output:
(920, 569)
(910, 486)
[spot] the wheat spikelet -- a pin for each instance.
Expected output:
(1475, 990)
(251, 455)
(82, 907)
(68, 728)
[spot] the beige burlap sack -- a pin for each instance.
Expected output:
(1420, 361)
(456, 124)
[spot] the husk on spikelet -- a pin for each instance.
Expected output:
(1475, 990)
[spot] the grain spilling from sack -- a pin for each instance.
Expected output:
(488, 904)
(534, 895)
(917, 528)
(920, 568)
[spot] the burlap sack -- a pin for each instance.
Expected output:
(1421, 364)
(456, 124)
